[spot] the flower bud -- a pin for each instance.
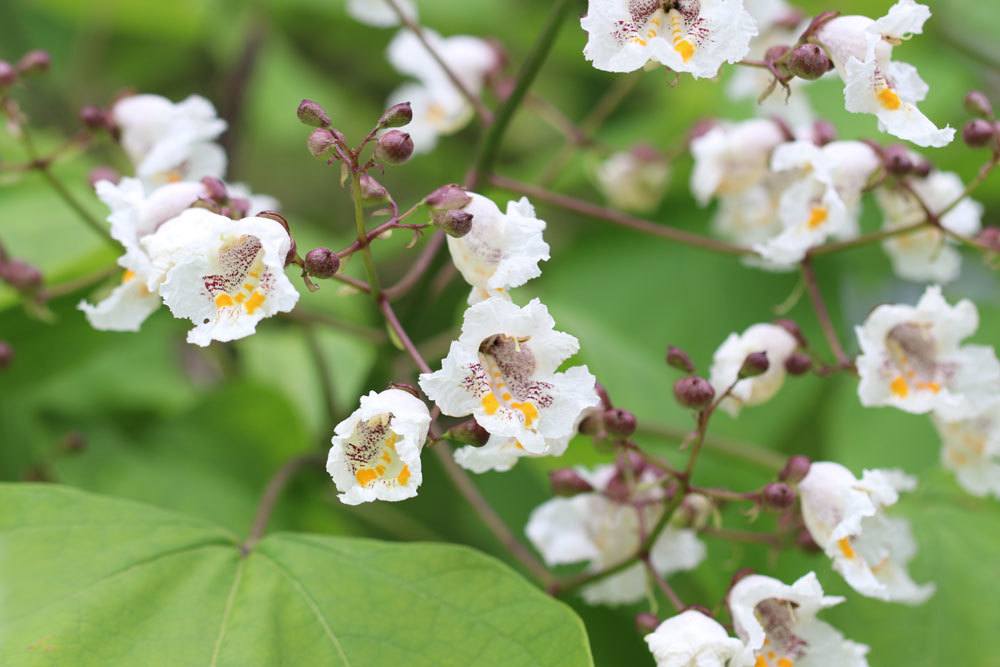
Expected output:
(897, 160)
(34, 62)
(922, 167)
(695, 511)
(778, 496)
(701, 128)
(679, 359)
(795, 470)
(372, 192)
(693, 392)
(978, 132)
(469, 432)
(792, 327)
(215, 189)
(453, 223)
(619, 422)
(755, 364)
(6, 354)
(646, 623)
(394, 147)
(823, 132)
(798, 363)
(978, 104)
(397, 115)
(775, 53)
(990, 237)
(809, 61)
(240, 207)
(98, 174)
(320, 142)
(8, 75)
(20, 275)
(567, 482)
(312, 114)
(322, 263)
(448, 198)
(804, 540)
(93, 117)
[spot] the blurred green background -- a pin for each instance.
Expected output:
(202, 431)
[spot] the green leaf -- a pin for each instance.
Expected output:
(90, 580)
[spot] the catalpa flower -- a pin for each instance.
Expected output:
(731, 158)
(692, 639)
(502, 250)
(170, 142)
(911, 358)
(822, 201)
(501, 453)
(439, 108)
(634, 180)
(729, 358)
(592, 527)
(779, 625)
(861, 50)
(376, 451)
(971, 449)
(685, 35)
(751, 216)
(846, 518)
(928, 254)
(135, 215)
(502, 370)
(379, 13)
(224, 275)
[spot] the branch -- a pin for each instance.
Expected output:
(273, 492)
(415, 272)
(745, 451)
(823, 315)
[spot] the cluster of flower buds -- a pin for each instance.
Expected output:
(983, 130)
(607, 421)
(32, 62)
(691, 391)
(447, 206)
(22, 276)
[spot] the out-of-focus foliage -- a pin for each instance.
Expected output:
(201, 431)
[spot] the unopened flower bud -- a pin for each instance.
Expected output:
(693, 392)
(469, 432)
(695, 511)
(215, 189)
(978, 132)
(792, 327)
(397, 115)
(778, 496)
(755, 364)
(897, 160)
(34, 62)
(990, 237)
(312, 114)
(394, 147)
(320, 142)
(804, 540)
(823, 132)
(98, 174)
(453, 223)
(701, 128)
(322, 263)
(8, 74)
(602, 393)
(809, 61)
(592, 423)
(922, 167)
(93, 117)
(20, 275)
(646, 623)
(447, 198)
(567, 482)
(978, 104)
(6, 354)
(775, 53)
(679, 359)
(619, 422)
(796, 469)
(798, 363)
(372, 192)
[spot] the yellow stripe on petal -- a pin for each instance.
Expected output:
(254, 302)
(817, 216)
(223, 300)
(888, 98)
(685, 49)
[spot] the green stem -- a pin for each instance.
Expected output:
(366, 252)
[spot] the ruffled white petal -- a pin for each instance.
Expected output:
(729, 358)
(380, 13)
(692, 639)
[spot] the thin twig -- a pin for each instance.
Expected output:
(416, 272)
(359, 222)
(273, 492)
(667, 590)
(745, 451)
(360, 330)
(70, 286)
(822, 314)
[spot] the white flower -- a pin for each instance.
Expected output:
(592, 527)
(729, 358)
(846, 517)
(692, 639)
(634, 180)
(928, 255)
(971, 449)
(751, 215)
(692, 36)
(500, 453)
(911, 358)
(779, 625)
(170, 142)
(823, 200)
(439, 108)
(135, 215)
(376, 451)
(502, 250)
(730, 158)
(224, 275)
(861, 50)
(502, 370)
(379, 13)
